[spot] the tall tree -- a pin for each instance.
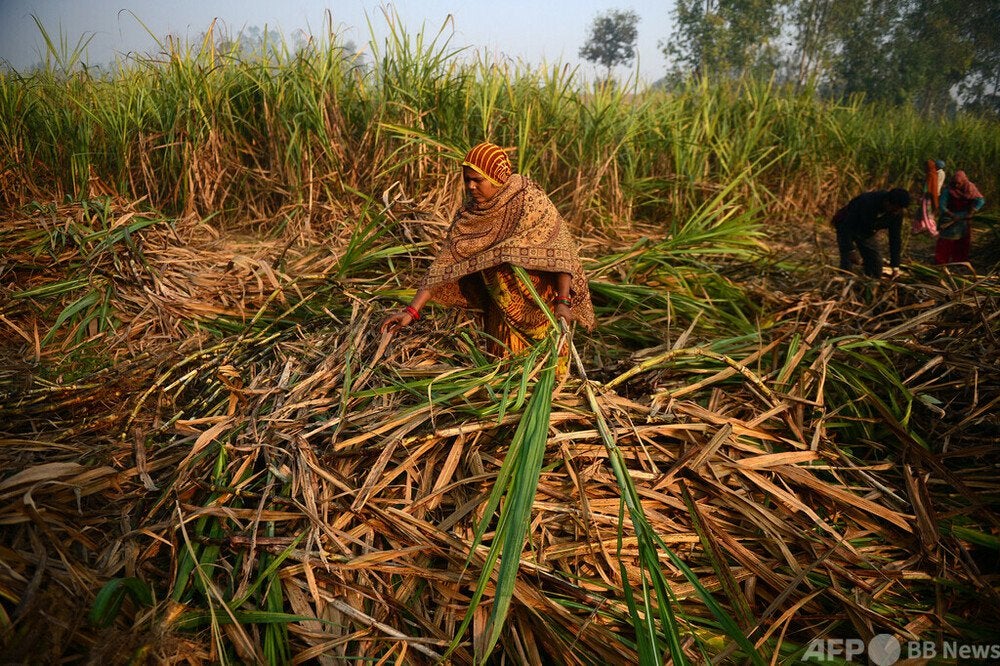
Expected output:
(817, 29)
(612, 39)
(932, 55)
(869, 60)
(952, 45)
(725, 37)
(922, 52)
(980, 89)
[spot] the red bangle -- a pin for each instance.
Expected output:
(412, 311)
(564, 301)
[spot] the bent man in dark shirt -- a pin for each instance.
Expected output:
(858, 221)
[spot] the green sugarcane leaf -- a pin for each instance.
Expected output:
(112, 594)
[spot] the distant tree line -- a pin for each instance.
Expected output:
(934, 54)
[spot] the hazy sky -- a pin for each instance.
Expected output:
(532, 30)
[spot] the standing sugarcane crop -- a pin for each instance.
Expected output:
(507, 220)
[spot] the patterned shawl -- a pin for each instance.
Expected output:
(519, 225)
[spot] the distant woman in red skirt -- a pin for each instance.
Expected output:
(959, 201)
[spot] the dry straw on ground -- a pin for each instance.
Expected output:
(258, 448)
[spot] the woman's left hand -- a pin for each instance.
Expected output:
(563, 311)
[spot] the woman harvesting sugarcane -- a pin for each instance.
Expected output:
(959, 202)
(507, 220)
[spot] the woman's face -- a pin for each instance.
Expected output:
(478, 186)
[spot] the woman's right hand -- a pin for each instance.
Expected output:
(563, 311)
(396, 321)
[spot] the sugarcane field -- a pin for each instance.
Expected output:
(231, 431)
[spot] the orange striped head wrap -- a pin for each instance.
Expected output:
(491, 161)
